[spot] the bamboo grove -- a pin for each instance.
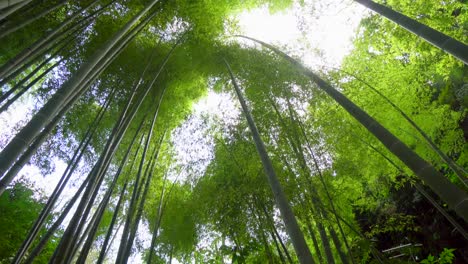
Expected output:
(365, 163)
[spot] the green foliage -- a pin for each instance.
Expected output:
(228, 212)
(445, 257)
(397, 223)
(19, 209)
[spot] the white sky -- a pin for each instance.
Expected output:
(328, 28)
(299, 31)
(331, 34)
(296, 29)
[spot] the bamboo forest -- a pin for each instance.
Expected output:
(234, 131)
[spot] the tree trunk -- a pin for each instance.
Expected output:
(436, 38)
(420, 189)
(31, 19)
(133, 231)
(44, 42)
(459, 171)
(85, 251)
(63, 180)
(314, 240)
(40, 246)
(9, 3)
(456, 198)
(80, 89)
(24, 89)
(295, 233)
(43, 134)
(18, 85)
(10, 6)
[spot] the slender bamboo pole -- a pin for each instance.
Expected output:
(420, 188)
(25, 88)
(103, 163)
(455, 197)
(10, 6)
(295, 233)
(51, 230)
(30, 20)
(34, 126)
(126, 246)
(43, 42)
(87, 246)
(105, 244)
(448, 44)
(63, 181)
(8, 3)
(460, 172)
(9, 176)
(144, 195)
(42, 52)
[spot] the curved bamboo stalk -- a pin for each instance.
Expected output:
(418, 187)
(104, 161)
(63, 180)
(456, 198)
(28, 21)
(8, 3)
(448, 44)
(295, 233)
(459, 171)
(45, 41)
(10, 6)
(87, 246)
(24, 89)
(51, 230)
(25, 136)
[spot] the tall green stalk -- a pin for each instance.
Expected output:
(8, 7)
(459, 171)
(455, 197)
(11, 29)
(25, 136)
(448, 44)
(292, 227)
